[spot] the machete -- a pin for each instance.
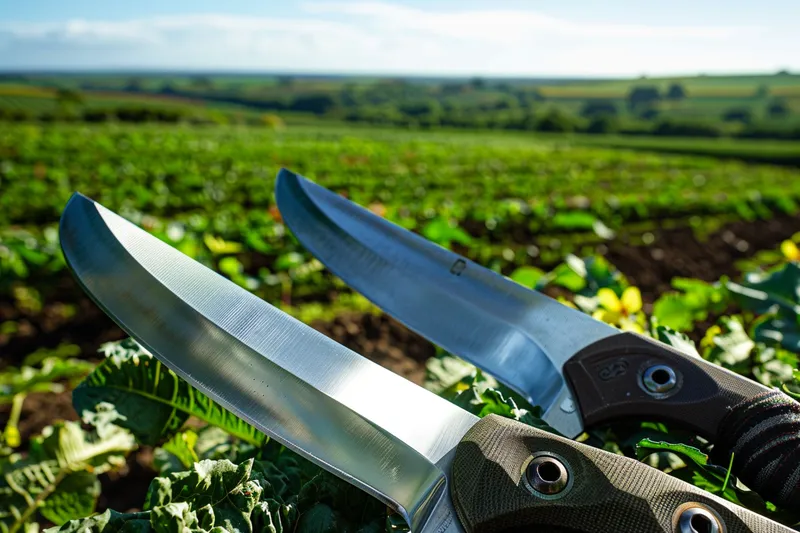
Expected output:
(580, 371)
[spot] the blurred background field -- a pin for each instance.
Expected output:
(505, 199)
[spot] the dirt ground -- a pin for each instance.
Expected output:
(675, 252)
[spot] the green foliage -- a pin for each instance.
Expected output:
(445, 233)
(527, 276)
(681, 310)
(44, 376)
(675, 339)
(774, 291)
(774, 296)
(57, 480)
(585, 277)
(210, 496)
(42, 371)
(643, 96)
(153, 400)
(728, 344)
(556, 121)
(676, 92)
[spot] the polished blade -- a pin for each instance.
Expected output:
(371, 427)
(521, 337)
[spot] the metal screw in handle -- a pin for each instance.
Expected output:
(547, 475)
(659, 379)
(697, 519)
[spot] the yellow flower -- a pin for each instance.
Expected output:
(566, 302)
(790, 250)
(620, 311)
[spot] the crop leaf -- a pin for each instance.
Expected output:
(40, 377)
(527, 276)
(729, 345)
(586, 276)
(329, 504)
(209, 442)
(57, 481)
(444, 371)
(178, 453)
(288, 261)
(564, 276)
(676, 339)
(782, 329)
(680, 310)
(647, 446)
(212, 496)
(574, 220)
(764, 292)
(219, 246)
(481, 395)
(772, 365)
(698, 468)
(153, 400)
(445, 232)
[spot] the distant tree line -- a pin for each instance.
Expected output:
(473, 104)
(141, 114)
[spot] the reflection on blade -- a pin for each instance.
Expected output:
(347, 414)
(521, 337)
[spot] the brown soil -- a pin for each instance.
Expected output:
(678, 253)
(382, 339)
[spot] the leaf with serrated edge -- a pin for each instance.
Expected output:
(154, 400)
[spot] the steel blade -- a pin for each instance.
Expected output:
(521, 337)
(360, 421)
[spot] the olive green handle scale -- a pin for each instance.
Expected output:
(493, 490)
(758, 426)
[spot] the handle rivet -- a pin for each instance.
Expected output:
(659, 379)
(698, 520)
(547, 475)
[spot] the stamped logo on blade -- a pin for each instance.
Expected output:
(458, 267)
(613, 370)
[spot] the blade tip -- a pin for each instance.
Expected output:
(288, 185)
(285, 177)
(76, 202)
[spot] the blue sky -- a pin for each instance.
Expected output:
(433, 37)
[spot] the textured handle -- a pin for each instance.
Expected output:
(760, 426)
(603, 492)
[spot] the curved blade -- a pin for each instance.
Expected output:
(521, 337)
(358, 420)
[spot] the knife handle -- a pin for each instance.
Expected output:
(629, 376)
(508, 476)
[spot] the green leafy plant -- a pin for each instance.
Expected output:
(57, 479)
(153, 401)
(37, 375)
(209, 496)
(695, 301)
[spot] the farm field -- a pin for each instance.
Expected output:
(762, 106)
(568, 215)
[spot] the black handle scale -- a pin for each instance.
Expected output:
(605, 493)
(760, 426)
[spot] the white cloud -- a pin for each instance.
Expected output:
(385, 37)
(505, 24)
